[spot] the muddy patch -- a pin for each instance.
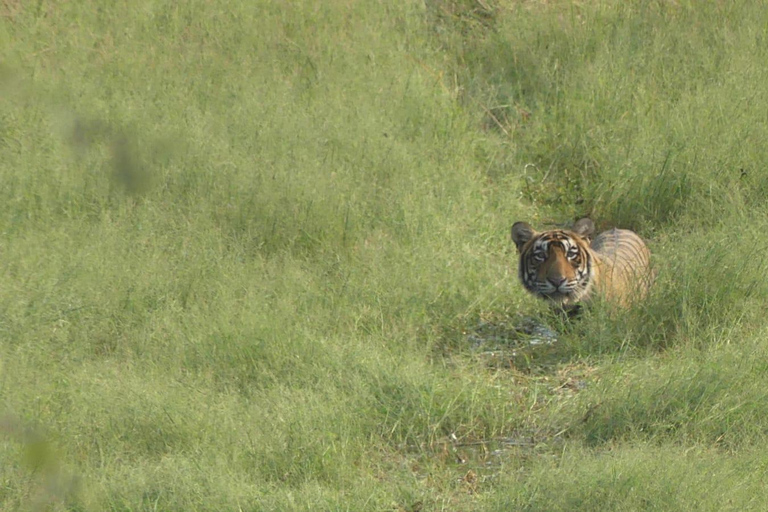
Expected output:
(502, 342)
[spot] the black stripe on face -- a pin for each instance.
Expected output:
(584, 274)
(529, 267)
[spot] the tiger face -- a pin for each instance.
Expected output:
(556, 265)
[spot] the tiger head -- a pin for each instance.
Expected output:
(556, 265)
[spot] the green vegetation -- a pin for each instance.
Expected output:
(255, 255)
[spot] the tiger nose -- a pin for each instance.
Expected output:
(556, 281)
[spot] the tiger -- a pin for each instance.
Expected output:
(564, 268)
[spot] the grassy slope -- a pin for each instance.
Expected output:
(242, 246)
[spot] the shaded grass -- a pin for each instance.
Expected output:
(626, 112)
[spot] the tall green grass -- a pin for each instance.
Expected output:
(246, 248)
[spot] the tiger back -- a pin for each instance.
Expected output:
(623, 266)
(563, 267)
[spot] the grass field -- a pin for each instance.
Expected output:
(255, 255)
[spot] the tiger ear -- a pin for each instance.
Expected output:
(584, 227)
(521, 233)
